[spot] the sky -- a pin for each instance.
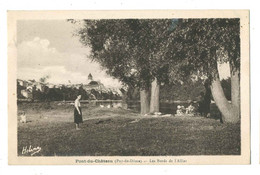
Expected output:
(48, 47)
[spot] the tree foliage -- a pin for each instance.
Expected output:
(141, 51)
(132, 50)
(200, 44)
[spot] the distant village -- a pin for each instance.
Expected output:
(31, 90)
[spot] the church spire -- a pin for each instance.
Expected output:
(90, 77)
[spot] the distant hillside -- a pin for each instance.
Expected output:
(94, 90)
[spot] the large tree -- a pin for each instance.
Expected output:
(204, 44)
(132, 51)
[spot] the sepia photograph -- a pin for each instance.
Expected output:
(129, 87)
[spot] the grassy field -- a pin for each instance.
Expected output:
(119, 132)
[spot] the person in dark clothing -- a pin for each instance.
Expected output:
(77, 113)
(201, 103)
(207, 99)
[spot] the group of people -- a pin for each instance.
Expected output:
(203, 109)
(190, 110)
(203, 106)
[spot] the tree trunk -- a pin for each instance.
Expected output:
(155, 102)
(228, 111)
(144, 100)
(235, 90)
(124, 96)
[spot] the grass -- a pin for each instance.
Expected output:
(118, 132)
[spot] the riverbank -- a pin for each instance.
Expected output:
(120, 132)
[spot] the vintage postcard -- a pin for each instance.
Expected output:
(128, 87)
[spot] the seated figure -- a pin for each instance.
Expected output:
(190, 109)
(23, 118)
(180, 110)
